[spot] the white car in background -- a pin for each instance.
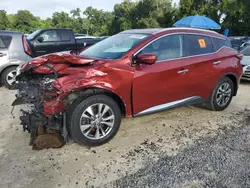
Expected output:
(246, 63)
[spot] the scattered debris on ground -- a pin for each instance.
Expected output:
(189, 146)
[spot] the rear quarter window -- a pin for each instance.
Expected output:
(197, 45)
(219, 43)
(66, 36)
(5, 41)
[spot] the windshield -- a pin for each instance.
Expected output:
(32, 35)
(114, 47)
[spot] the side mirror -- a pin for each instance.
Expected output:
(146, 59)
(40, 39)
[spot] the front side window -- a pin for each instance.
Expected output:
(5, 41)
(197, 45)
(33, 35)
(246, 51)
(166, 48)
(49, 36)
(114, 47)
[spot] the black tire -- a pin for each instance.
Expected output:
(4, 76)
(212, 102)
(77, 111)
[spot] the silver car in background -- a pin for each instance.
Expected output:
(246, 63)
(14, 50)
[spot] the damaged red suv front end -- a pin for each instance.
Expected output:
(48, 85)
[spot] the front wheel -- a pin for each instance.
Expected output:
(95, 120)
(222, 95)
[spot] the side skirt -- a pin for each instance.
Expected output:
(182, 102)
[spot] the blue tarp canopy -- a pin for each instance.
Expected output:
(197, 21)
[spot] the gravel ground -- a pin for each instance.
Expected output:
(219, 161)
(184, 147)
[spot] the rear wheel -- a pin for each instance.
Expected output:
(95, 120)
(222, 95)
(8, 76)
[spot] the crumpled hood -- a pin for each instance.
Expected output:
(57, 61)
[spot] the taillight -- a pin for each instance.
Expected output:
(26, 46)
(240, 56)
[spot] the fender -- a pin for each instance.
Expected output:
(94, 78)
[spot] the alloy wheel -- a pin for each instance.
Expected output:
(223, 94)
(97, 121)
(11, 77)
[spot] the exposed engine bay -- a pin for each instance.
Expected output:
(33, 92)
(42, 107)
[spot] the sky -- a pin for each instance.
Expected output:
(45, 8)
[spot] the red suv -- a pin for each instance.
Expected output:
(133, 73)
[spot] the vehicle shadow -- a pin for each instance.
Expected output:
(245, 82)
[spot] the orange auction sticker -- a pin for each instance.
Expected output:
(202, 43)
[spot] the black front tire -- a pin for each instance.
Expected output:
(212, 102)
(4, 76)
(76, 112)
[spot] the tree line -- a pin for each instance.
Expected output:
(231, 14)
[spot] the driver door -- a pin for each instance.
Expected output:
(46, 43)
(165, 83)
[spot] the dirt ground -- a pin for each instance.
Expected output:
(140, 150)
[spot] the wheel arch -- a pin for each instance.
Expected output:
(78, 96)
(2, 70)
(234, 79)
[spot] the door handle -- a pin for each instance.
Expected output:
(2, 54)
(182, 71)
(217, 62)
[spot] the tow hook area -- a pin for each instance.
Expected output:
(41, 135)
(38, 102)
(47, 138)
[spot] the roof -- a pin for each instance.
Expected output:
(155, 31)
(9, 32)
(145, 31)
(54, 29)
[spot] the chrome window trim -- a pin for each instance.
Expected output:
(186, 28)
(181, 33)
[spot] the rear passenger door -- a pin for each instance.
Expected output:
(5, 41)
(198, 50)
(67, 41)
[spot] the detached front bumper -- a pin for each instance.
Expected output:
(246, 72)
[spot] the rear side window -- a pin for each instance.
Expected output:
(66, 35)
(197, 45)
(246, 51)
(5, 41)
(219, 43)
